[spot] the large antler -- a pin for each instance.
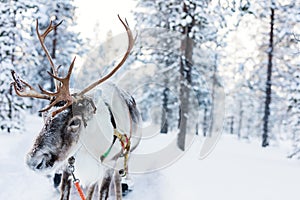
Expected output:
(62, 93)
(42, 37)
(130, 45)
(23, 89)
(62, 85)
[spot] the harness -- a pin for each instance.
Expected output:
(124, 141)
(125, 144)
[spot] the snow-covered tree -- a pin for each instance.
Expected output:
(16, 53)
(280, 50)
(294, 113)
(21, 51)
(182, 61)
(247, 63)
(162, 52)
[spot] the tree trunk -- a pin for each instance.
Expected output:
(13, 58)
(185, 83)
(53, 55)
(205, 121)
(213, 97)
(165, 111)
(265, 136)
(240, 119)
(231, 125)
(10, 107)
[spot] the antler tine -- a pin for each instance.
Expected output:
(62, 93)
(51, 94)
(22, 91)
(42, 40)
(68, 75)
(130, 46)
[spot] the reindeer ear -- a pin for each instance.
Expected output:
(90, 105)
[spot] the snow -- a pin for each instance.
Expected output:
(235, 170)
(17, 181)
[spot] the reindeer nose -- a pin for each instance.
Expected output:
(32, 162)
(37, 162)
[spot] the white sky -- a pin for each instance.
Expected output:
(90, 12)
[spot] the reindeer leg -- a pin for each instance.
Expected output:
(118, 187)
(91, 190)
(104, 189)
(65, 186)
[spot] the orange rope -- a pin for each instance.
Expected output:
(79, 190)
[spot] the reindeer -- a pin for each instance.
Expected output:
(80, 129)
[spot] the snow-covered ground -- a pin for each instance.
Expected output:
(234, 170)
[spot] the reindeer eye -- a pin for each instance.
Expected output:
(75, 122)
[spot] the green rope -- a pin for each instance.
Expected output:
(106, 153)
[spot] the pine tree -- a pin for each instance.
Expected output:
(294, 112)
(248, 67)
(280, 51)
(265, 135)
(14, 33)
(163, 53)
(191, 20)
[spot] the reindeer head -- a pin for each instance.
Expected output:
(66, 115)
(60, 134)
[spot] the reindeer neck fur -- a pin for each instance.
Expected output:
(97, 136)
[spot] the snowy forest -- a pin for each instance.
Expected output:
(199, 69)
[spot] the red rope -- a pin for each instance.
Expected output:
(79, 190)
